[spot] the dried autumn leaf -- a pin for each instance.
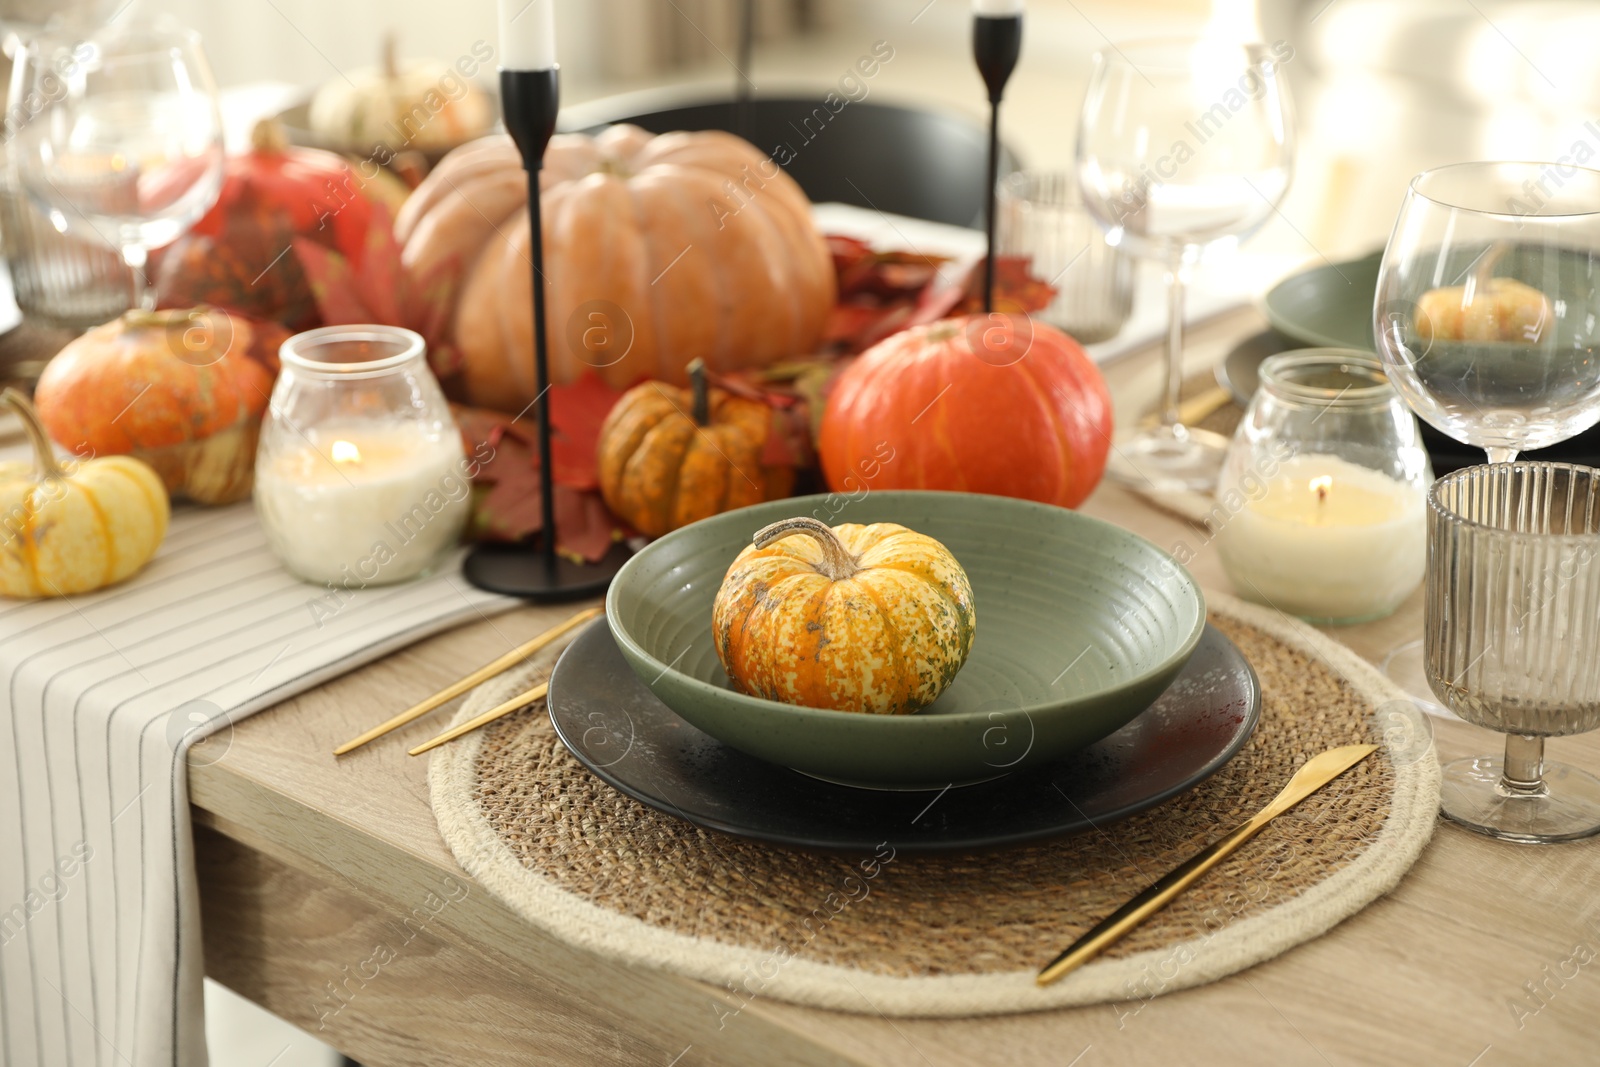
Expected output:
(380, 291)
(506, 503)
(577, 412)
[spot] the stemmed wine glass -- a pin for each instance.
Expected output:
(1488, 321)
(1488, 305)
(1184, 145)
(117, 137)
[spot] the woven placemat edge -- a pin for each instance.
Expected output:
(1180, 965)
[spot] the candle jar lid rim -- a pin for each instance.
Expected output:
(289, 352)
(1446, 513)
(1282, 376)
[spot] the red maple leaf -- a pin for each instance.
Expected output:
(1016, 291)
(380, 290)
(506, 503)
(577, 412)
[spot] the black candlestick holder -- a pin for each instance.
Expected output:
(996, 44)
(530, 100)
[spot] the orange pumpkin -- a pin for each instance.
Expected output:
(668, 457)
(173, 388)
(980, 404)
(873, 618)
(658, 251)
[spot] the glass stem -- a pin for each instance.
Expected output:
(1169, 408)
(144, 294)
(1502, 455)
(1523, 775)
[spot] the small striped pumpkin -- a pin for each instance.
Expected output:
(874, 619)
(668, 457)
(73, 531)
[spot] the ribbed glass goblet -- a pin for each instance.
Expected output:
(1513, 639)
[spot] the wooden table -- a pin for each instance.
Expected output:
(1486, 954)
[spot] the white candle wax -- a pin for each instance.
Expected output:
(997, 9)
(1328, 540)
(364, 504)
(527, 35)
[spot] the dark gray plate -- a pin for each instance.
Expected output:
(617, 728)
(1240, 372)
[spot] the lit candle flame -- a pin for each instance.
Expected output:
(345, 452)
(1320, 485)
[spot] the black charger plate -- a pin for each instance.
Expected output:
(618, 729)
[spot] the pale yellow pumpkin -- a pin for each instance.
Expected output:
(871, 619)
(74, 529)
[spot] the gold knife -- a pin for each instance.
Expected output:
(1317, 772)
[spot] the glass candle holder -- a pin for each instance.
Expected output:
(1322, 501)
(361, 478)
(1041, 215)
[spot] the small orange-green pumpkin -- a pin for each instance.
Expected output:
(73, 530)
(873, 619)
(668, 457)
(173, 388)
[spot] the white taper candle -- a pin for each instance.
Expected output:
(527, 35)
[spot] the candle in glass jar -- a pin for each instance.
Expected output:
(1328, 540)
(364, 504)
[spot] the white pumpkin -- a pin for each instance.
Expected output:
(412, 103)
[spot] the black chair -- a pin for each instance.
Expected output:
(901, 160)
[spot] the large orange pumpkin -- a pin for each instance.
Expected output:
(980, 404)
(658, 251)
(173, 388)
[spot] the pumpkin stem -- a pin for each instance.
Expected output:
(700, 408)
(165, 319)
(44, 455)
(390, 56)
(837, 562)
(268, 136)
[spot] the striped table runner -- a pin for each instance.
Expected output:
(102, 696)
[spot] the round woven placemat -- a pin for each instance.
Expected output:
(960, 935)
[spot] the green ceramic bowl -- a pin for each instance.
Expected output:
(1329, 306)
(1080, 626)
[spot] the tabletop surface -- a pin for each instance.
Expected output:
(330, 898)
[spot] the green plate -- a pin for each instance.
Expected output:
(1328, 306)
(1080, 626)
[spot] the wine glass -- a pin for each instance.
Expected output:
(1184, 145)
(1488, 306)
(1513, 640)
(117, 136)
